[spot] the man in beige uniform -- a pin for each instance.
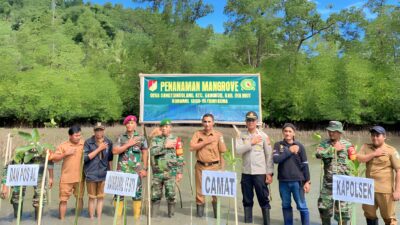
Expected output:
(382, 160)
(209, 146)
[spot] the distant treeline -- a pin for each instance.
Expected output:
(79, 62)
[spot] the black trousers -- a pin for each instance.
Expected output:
(257, 182)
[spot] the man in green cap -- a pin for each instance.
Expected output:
(167, 165)
(333, 152)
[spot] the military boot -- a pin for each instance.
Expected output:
(248, 214)
(214, 205)
(372, 222)
(15, 207)
(325, 217)
(326, 220)
(171, 209)
(266, 216)
(136, 207)
(36, 213)
(200, 210)
(155, 208)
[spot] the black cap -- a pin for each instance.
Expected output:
(378, 129)
(289, 125)
(251, 115)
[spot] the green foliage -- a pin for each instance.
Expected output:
(230, 159)
(83, 63)
(24, 154)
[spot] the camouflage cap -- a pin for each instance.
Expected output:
(165, 122)
(251, 115)
(335, 126)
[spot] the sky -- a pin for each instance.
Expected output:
(217, 18)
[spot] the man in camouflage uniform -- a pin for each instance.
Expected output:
(37, 159)
(167, 165)
(333, 153)
(132, 150)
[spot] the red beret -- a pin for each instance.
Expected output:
(129, 118)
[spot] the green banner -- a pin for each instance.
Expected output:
(186, 97)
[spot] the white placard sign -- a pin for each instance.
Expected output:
(22, 175)
(119, 183)
(353, 189)
(218, 183)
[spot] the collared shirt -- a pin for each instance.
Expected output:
(381, 168)
(211, 152)
(70, 170)
(96, 168)
(257, 159)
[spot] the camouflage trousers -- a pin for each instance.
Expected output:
(325, 205)
(36, 194)
(138, 196)
(159, 181)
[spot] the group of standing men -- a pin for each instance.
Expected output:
(95, 155)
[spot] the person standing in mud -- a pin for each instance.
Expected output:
(333, 152)
(209, 145)
(167, 165)
(71, 181)
(382, 160)
(293, 174)
(132, 158)
(258, 168)
(36, 159)
(98, 158)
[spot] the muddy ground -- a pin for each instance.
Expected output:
(186, 214)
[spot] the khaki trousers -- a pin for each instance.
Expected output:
(198, 176)
(387, 207)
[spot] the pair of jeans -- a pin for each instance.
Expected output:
(287, 189)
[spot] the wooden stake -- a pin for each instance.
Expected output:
(39, 222)
(234, 170)
(7, 149)
(125, 210)
(116, 210)
(219, 211)
(148, 177)
(77, 210)
(19, 205)
(191, 175)
(5, 161)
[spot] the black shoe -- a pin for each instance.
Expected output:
(266, 216)
(171, 209)
(200, 210)
(214, 205)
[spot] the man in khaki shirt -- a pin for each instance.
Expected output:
(71, 181)
(382, 160)
(209, 146)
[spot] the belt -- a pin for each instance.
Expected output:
(207, 163)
